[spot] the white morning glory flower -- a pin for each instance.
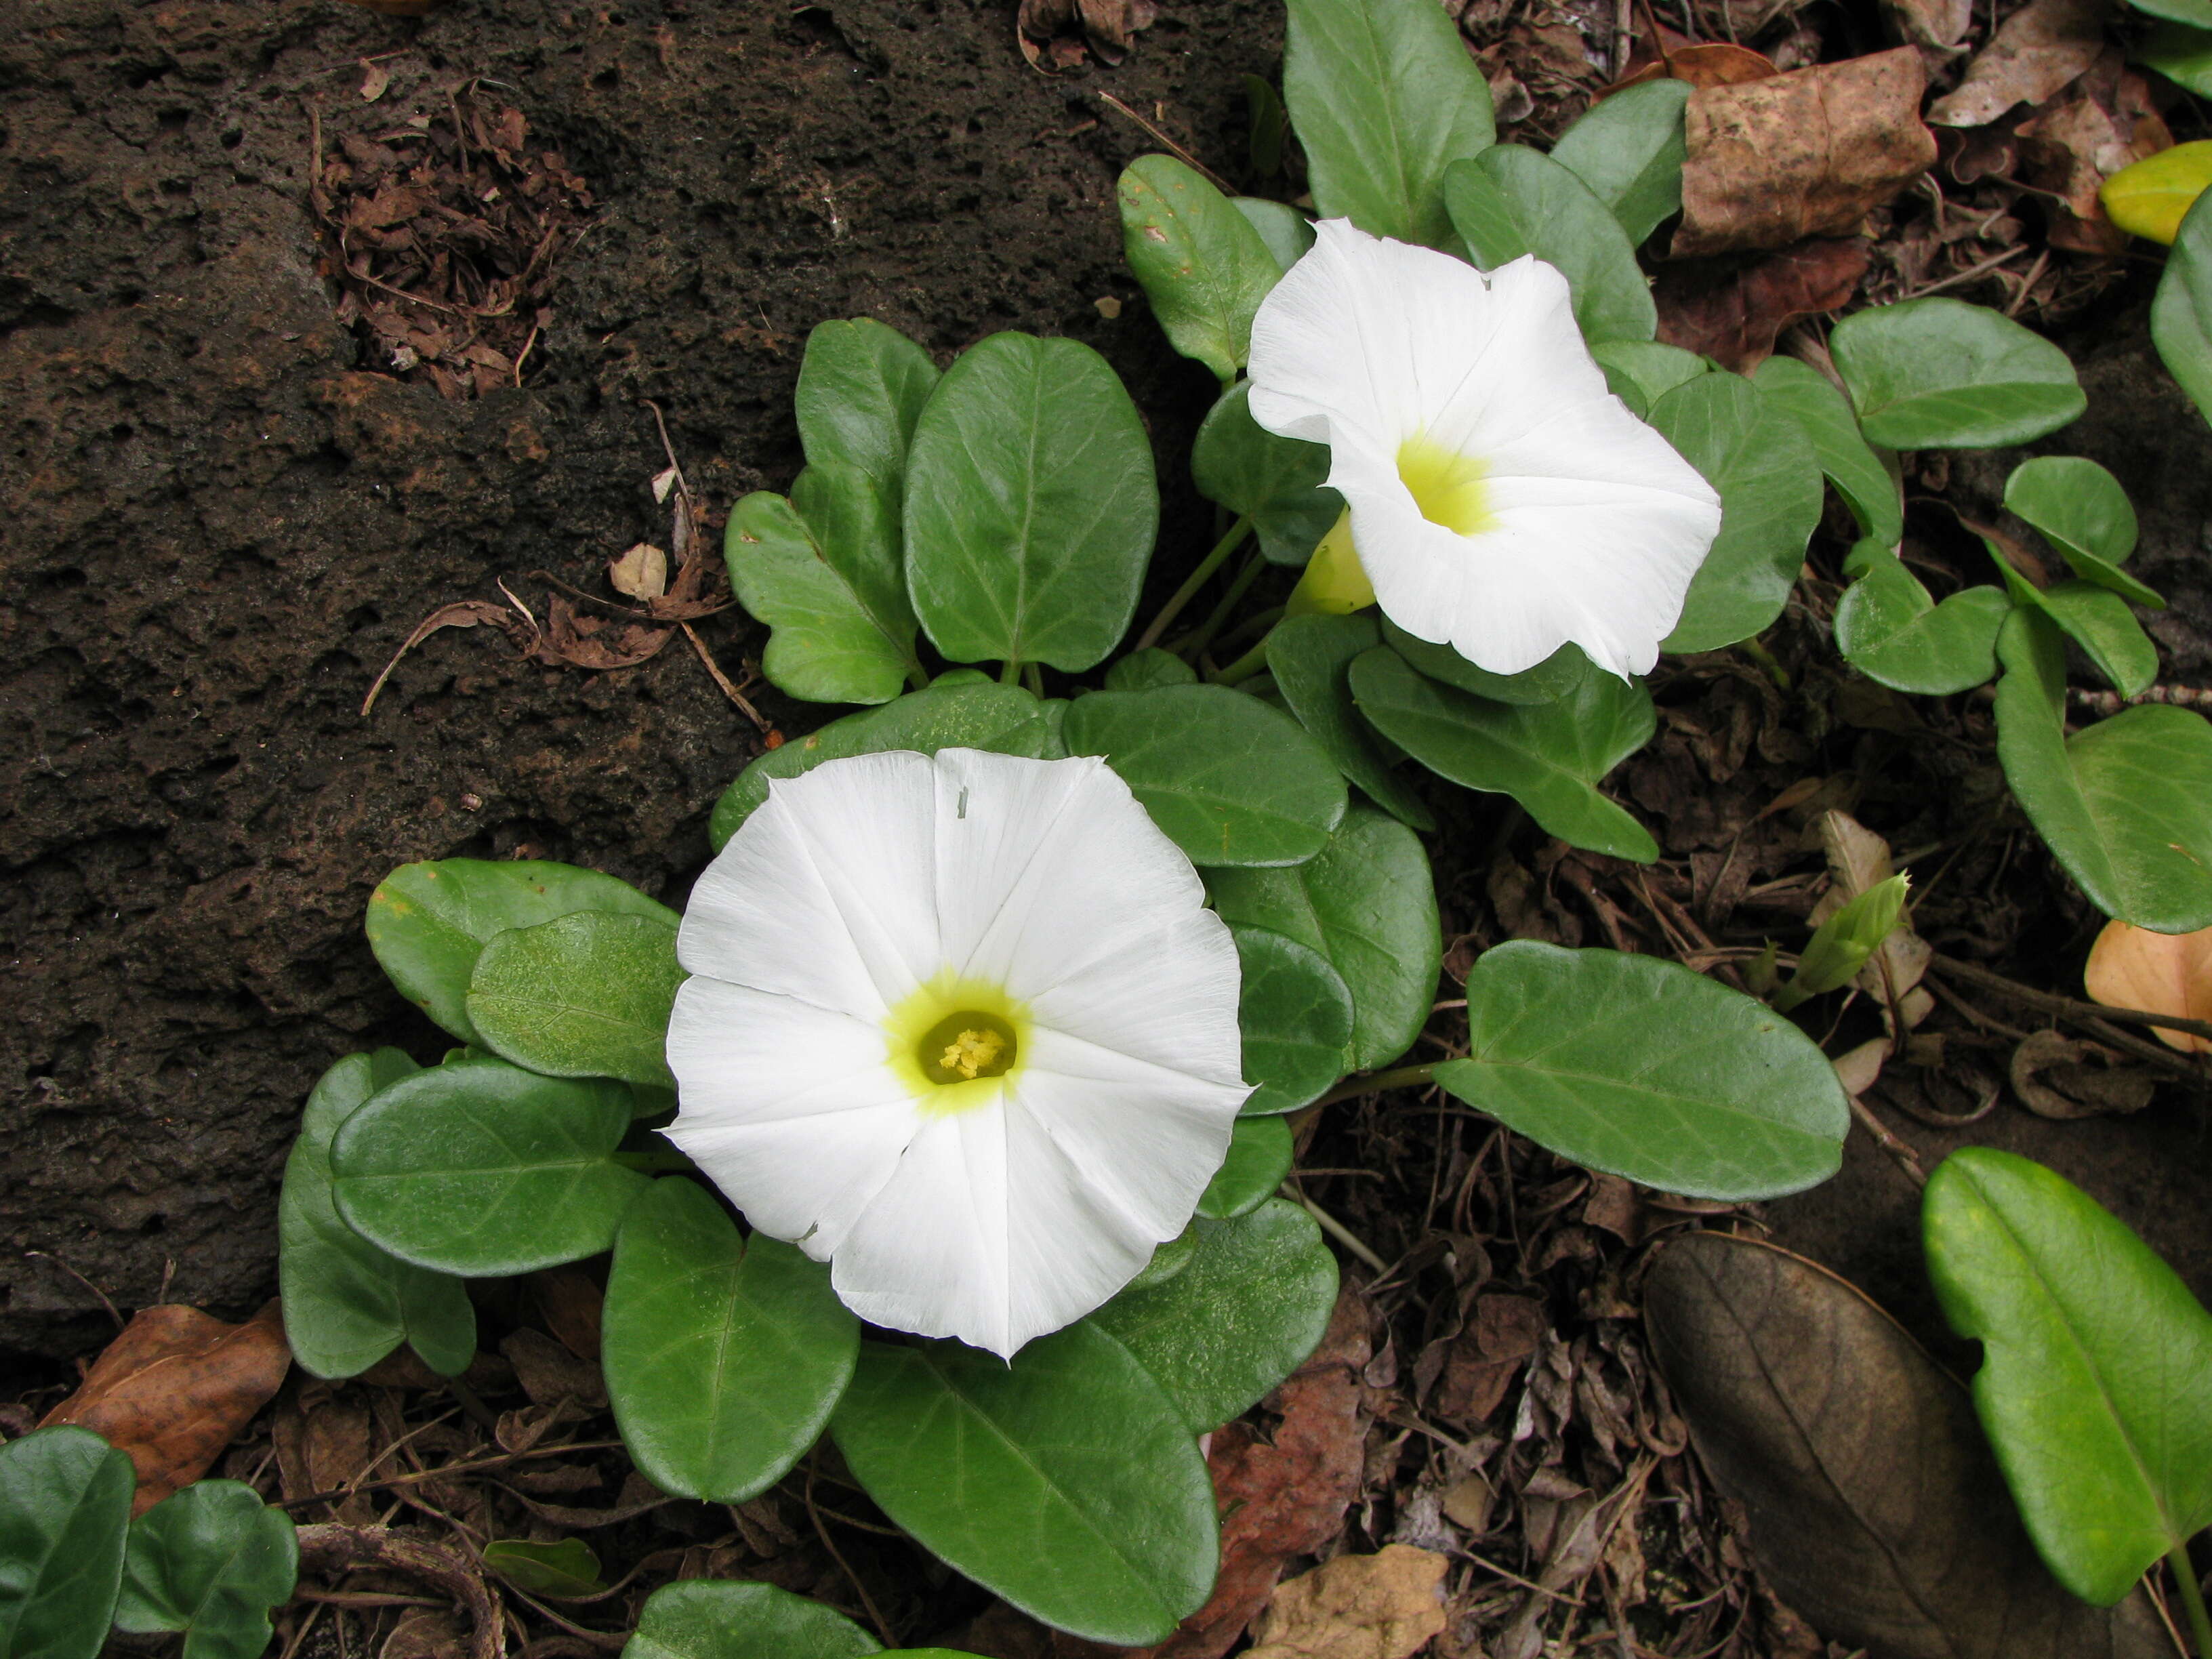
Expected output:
(962, 1028)
(1502, 502)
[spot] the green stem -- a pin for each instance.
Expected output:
(1760, 654)
(1197, 578)
(1254, 661)
(1252, 627)
(1374, 1083)
(2192, 1598)
(1009, 673)
(1033, 677)
(1203, 635)
(917, 676)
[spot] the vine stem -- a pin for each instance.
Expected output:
(2192, 1598)
(1197, 578)
(1246, 665)
(1373, 1083)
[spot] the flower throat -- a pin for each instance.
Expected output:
(1449, 489)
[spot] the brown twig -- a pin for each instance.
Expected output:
(723, 680)
(2066, 1007)
(1900, 1153)
(1173, 148)
(821, 1531)
(329, 1546)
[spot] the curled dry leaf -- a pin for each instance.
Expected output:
(1806, 154)
(1874, 1501)
(1938, 25)
(2131, 967)
(1048, 30)
(1731, 310)
(2105, 124)
(2056, 1077)
(1711, 63)
(1859, 860)
(1505, 1330)
(1385, 1606)
(549, 1374)
(175, 1389)
(464, 613)
(582, 640)
(2037, 51)
(640, 573)
(571, 1304)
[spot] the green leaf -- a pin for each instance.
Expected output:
(1310, 658)
(1250, 1309)
(1840, 946)
(64, 1507)
(961, 715)
(711, 1618)
(1384, 96)
(1769, 480)
(861, 386)
(723, 1354)
(1277, 482)
(1640, 1067)
(582, 995)
(1367, 903)
(1814, 401)
(1066, 1482)
(348, 1304)
(2149, 198)
(2099, 621)
(1548, 756)
(2192, 13)
(1268, 121)
(1511, 200)
(2121, 803)
(1296, 1017)
(1203, 264)
(1031, 506)
(568, 1568)
(2181, 54)
(2181, 310)
(1641, 371)
(2081, 510)
(210, 1561)
(1628, 151)
(2094, 1360)
(480, 1168)
(1140, 671)
(1287, 232)
(1939, 373)
(1259, 1159)
(426, 921)
(1561, 672)
(1890, 630)
(822, 571)
(1230, 779)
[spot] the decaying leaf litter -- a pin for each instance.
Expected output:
(1487, 1425)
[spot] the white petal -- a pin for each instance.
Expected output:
(1168, 998)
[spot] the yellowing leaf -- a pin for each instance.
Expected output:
(2131, 967)
(2148, 199)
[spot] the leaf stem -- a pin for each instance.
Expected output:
(1251, 663)
(2192, 1598)
(1374, 1083)
(1203, 635)
(1197, 578)
(1760, 654)
(1009, 673)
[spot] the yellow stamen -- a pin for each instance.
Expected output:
(1448, 487)
(972, 1052)
(958, 1044)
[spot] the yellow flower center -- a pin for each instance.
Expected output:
(955, 1042)
(1448, 487)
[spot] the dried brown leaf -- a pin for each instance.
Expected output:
(570, 1302)
(2056, 1077)
(1731, 311)
(581, 640)
(641, 572)
(2071, 147)
(549, 1374)
(2131, 967)
(1384, 1605)
(2037, 51)
(1710, 64)
(466, 613)
(1504, 1331)
(1937, 24)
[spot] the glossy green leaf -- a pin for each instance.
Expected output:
(1310, 658)
(1248, 1311)
(568, 1568)
(1296, 1017)
(210, 1561)
(1287, 232)
(1641, 371)
(1031, 506)
(1628, 151)
(2192, 13)
(348, 1304)
(1511, 200)
(1769, 480)
(1259, 1159)
(1561, 672)
(1229, 779)
(478, 1167)
(1140, 671)
(717, 1619)
(1384, 96)
(2081, 509)
(1168, 1259)
(1820, 408)
(1367, 902)
(861, 386)
(1202, 263)
(1640, 1067)
(582, 995)
(2099, 621)
(2182, 54)
(950, 715)
(2181, 310)
(64, 1507)
(427, 922)
(2094, 1356)
(1939, 373)
(2148, 197)
(821, 570)
(2121, 803)
(1269, 121)
(1548, 756)
(723, 1354)
(1275, 482)
(1066, 1482)
(1890, 628)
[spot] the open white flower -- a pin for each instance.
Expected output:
(1503, 500)
(962, 1028)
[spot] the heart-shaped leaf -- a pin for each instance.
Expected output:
(1310, 658)
(1031, 506)
(348, 1304)
(1819, 406)
(1278, 483)
(1890, 630)
(861, 387)
(582, 995)
(723, 1354)
(1140, 671)
(1248, 1311)
(427, 922)
(1628, 151)
(567, 1568)
(1769, 480)
(713, 1618)
(210, 1561)
(1641, 371)
(1201, 263)
(1367, 902)
(2082, 511)
(2099, 621)
(1259, 1157)
(2121, 802)
(64, 1508)
(481, 1168)
(1938, 373)
(2181, 310)
(2094, 1360)
(1642, 1068)
(1511, 201)
(1384, 97)
(1550, 680)
(1230, 779)
(1548, 756)
(1296, 1017)
(1065, 1481)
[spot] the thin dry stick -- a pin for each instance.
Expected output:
(854, 1579)
(48, 1256)
(1901, 1154)
(1173, 148)
(2065, 1008)
(722, 679)
(1336, 1229)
